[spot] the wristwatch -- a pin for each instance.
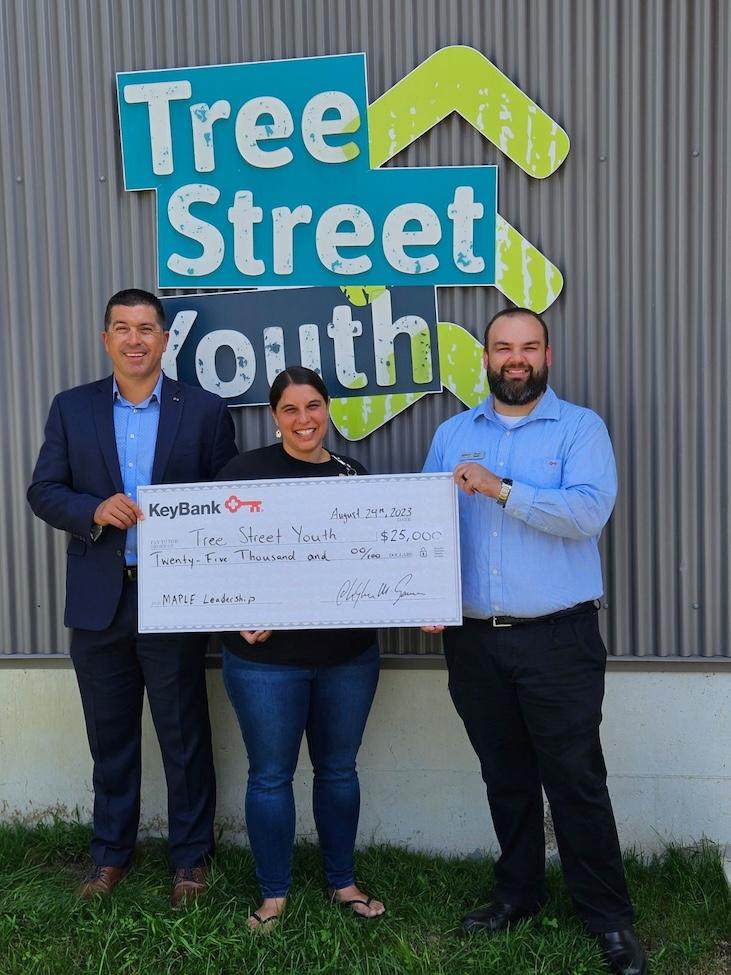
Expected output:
(505, 488)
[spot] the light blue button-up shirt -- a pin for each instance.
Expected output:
(540, 553)
(135, 430)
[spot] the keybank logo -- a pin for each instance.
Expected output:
(183, 509)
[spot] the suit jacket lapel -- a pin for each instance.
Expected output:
(171, 411)
(103, 410)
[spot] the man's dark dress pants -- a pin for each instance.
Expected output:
(530, 697)
(113, 668)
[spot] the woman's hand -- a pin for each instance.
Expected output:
(436, 628)
(255, 636)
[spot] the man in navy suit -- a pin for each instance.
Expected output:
(102, 441)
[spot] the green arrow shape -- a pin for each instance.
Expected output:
(522, 273)
(460, 366)
(461, 79)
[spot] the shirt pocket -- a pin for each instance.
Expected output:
(549, 472)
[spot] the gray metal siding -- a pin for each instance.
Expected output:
(637, 219)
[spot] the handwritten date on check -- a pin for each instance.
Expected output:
(312, 553)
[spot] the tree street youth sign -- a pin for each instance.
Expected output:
(262, 176)
(235, 343)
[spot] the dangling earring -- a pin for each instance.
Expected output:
(278, 434)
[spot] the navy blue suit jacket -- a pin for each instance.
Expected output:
(78, 468)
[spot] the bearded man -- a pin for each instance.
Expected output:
(537, 484)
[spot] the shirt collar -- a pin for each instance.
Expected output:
(154, 395)
(547, 408)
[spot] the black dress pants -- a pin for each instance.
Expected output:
(113, 669)
(530, 697)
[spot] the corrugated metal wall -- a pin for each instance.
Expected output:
(637, 219)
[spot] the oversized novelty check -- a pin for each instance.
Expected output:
(299, 554)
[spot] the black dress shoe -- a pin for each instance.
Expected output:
(496, 916)
(623, 952)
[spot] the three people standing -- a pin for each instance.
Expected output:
(526, 668)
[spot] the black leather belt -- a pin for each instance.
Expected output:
(590, 604)
(130, 573)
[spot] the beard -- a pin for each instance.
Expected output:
(518, 392)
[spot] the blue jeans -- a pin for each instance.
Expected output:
(275, 704)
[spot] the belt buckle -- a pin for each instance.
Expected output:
(500, 626)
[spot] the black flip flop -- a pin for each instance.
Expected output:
(349, 905)
(261, 922)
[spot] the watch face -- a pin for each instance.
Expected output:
(504, 492)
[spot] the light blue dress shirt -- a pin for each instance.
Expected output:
(135, 430)
(540, 553)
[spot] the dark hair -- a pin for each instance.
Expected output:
(511, 313)
(296, 376)
(134, 296)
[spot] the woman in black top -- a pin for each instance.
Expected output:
(284, 683)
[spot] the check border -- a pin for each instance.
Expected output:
(394, 484)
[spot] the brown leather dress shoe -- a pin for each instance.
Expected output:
(188, 884)
(101, 881)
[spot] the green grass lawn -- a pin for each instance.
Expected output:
(682, 901)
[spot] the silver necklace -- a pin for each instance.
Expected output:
(349, 470)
